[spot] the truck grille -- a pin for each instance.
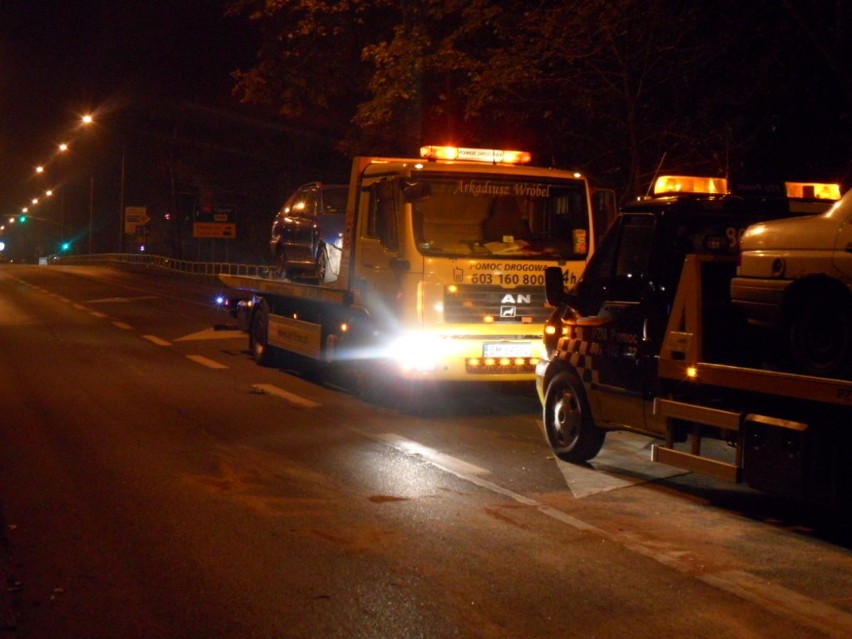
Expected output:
(473, 304)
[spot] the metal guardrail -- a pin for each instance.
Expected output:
(211, 269)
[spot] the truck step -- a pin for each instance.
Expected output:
(695, 463)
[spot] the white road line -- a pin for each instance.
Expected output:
(290, 397)
(772, 597)
(156, 340)
(79, 307)
(448, 462)
(124, 325)
(98, 315)
(121, 300)
(206, 361)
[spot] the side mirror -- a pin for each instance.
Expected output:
(554, 286)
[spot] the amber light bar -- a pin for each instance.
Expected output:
(813, 190)
(675, 184)
(491, 156)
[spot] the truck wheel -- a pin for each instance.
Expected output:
(571, 431)
(821, 335)
(261, 351)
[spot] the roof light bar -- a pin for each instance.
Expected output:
(813, 190)
(675, 184)
(491, 156)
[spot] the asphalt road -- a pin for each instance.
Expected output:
(155, 482)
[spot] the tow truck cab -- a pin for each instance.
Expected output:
(604, 337)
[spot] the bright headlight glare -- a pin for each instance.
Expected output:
(419, 352)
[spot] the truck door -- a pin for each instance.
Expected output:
(616, 335)
(377, 264)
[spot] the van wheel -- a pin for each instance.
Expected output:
(322, 265)
(279, 265)
(821, 334)
(568, 424)
(261, 351)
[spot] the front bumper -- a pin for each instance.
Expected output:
(540, 376)
(759, 298)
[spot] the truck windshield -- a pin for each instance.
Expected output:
(511, 216)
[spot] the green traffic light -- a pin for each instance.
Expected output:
(65, 246)
(22, 218)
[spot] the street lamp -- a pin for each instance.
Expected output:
(88, 120)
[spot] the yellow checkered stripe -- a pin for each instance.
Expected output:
(577, 352)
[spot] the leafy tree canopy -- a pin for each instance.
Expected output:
(618, 88)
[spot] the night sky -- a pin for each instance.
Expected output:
(61, 58)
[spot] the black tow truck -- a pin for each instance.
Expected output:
(649, 341)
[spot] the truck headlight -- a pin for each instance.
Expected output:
(419, 352)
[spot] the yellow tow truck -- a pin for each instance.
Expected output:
(441, 274)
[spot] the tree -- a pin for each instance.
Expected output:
(617, 88)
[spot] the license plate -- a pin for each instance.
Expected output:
(507, 349)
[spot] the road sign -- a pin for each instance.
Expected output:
(134, 217)
(214, 222)
(214, 229)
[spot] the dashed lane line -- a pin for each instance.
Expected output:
(206, 361)
(290, 397)
(122, 325)
(156, 340)
(212, 333)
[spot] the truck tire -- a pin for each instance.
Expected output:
(568, 423)
(259, 346)
(820, 334)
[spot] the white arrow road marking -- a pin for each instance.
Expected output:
(206, 361)
(280, 392)
(210, 333)
(755, 588)
(623, 461)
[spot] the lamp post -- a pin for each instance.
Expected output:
(87, 120)
(121, 206)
